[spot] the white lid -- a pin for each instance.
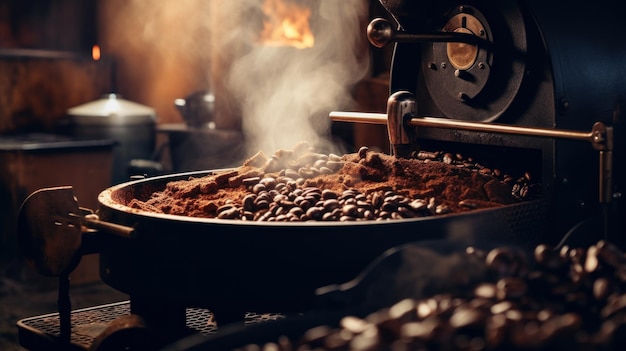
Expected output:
(112, 109)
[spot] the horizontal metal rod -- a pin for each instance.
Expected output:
(358, 117)
(437, 37)
(499, 128)
(433, 122)
(91, 221)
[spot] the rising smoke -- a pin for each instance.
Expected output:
(285, 93)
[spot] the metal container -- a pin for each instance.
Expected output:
(130, 124)
(233, 266)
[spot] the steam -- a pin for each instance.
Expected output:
(285, 94)
(282, 94)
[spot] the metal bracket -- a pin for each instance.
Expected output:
(51, 227)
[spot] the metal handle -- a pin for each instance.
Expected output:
(92, 221)
(380, 32)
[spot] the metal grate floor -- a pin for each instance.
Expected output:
(39, 332)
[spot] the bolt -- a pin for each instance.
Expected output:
(443, 65)
(481, 65)
(597, 137)
(564, 105)
(461, 74)
(461, 8)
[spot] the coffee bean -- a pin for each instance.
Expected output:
(501, 307)
(325, 170)
(546, 256)
(329, 194)
(468, 204)
(231, 212)
(510, 288)
(363, 151)
(504, 261)
(486, 290)
(610, 254)
(467, 318)
(350, 210)
(592, 264)
(330, 205)
(315, 212)
(248, 202)
(257, 188)
(335, 165)
(292, 174)
(268, 182)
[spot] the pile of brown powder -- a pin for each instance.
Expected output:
(264, 188)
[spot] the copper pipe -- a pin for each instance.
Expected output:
(434, 122)
(499, 128)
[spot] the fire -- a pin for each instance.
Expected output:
(286, 24)
(95, 52)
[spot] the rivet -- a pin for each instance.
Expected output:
(597, 137)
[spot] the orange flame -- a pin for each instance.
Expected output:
(95, 52)
(286, 24)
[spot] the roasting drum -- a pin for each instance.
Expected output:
(270, 266)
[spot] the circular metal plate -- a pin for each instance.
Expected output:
(49, 230)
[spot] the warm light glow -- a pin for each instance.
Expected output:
(286, 24)
(95, 52)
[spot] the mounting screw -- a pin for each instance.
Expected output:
(481, 65)
(463, 97)
(461, 8)
(564, 104)
(597, 137)
(462, 74)
(444, 65)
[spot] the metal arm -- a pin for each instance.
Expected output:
(400, 116)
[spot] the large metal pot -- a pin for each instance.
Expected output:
(130, 124)
(270, 266)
